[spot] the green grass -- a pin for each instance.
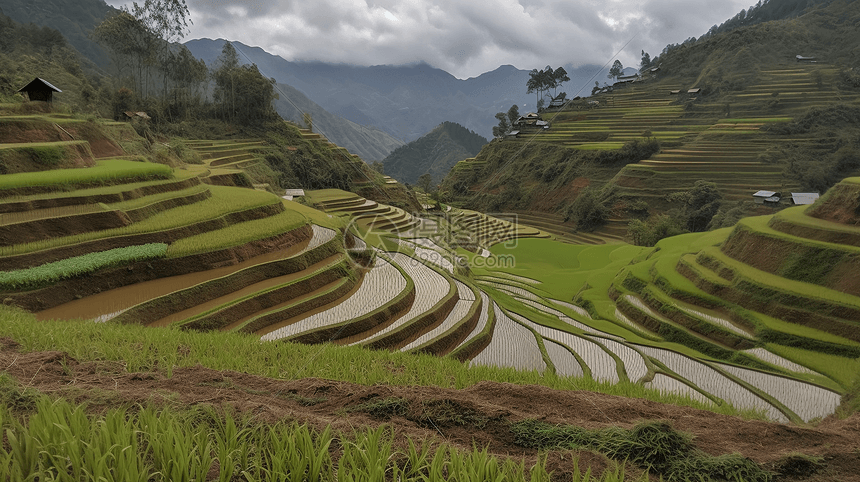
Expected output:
(105, 171)
(179, 175)
(769, 281)
(224, 200)
(147, 349)
(843, 371)
(653, 446)
(561, 267)
(329, 195)
(45, 274)
(154, 198)
(238, 234)
(55, 439)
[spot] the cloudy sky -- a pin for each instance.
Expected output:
(463, 37)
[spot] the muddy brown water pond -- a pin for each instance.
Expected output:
(119, 299)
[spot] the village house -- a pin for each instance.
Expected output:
(39, 90)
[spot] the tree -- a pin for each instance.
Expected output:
(226, 66)
(186, 76)
(513, 115)
(166, 19)
(559, 77)
(503, 127)
(425, 182)
(534, 83)
(130, 43)
(616, 70)
(646, 61)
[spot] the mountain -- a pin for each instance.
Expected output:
(406, 101)
(435, 153)
(75, 19)
(744, 115)
(369, 143)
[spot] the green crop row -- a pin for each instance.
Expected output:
(49, 273)
(237, 234)
(224, 200)
(105, 171)
(61, 441)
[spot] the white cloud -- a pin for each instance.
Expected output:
(465, 38)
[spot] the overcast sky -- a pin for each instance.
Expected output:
(463, 37)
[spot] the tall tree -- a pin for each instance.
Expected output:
(646, 61)
(186, 76)
(226, 70)
(130, 44)
(513, 114)
(503, 127)
(560, 76)
(616, 70)
(534, 83)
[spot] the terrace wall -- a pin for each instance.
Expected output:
(81, 287)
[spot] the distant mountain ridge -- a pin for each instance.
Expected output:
(435, 153)
(369, 143)
(388, 97)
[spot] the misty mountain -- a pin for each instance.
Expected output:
(369, 143)
(407, 101)
(435, 153)
(75, 19)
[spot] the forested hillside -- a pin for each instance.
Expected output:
(734, 109)
(434, 153)
(74, 19)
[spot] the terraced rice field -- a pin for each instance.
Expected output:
(456, 316)
(431, 288)
(512, 346)
(713, 382)
(727, 329)
(378, 287)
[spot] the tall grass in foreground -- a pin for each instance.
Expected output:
(149, 349)
(61, 441)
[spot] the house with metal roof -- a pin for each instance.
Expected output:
(770, 197)
(39, 90)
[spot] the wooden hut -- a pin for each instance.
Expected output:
(39, 89)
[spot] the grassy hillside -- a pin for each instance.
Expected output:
(434, 153)
(760, 121)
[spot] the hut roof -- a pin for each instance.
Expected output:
(804, 197)
(765, 194)
(38, 84)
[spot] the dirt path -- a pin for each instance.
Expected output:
(322, 402)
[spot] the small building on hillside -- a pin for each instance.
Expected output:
(137, 115)
(290, 194)
(767, 197)
(528, 120)
(804, 197)
(801, 58)
(558, 101)
(39, 90)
